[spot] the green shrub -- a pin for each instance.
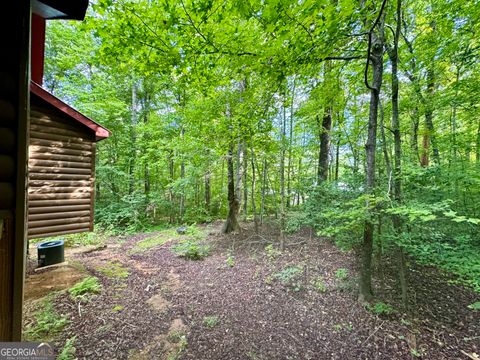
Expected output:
(272, 252)
(319, 285)
(341, 274)
(381, 308)
(210, 321)
(48, 323)
(68, 351)
(89, 285)
(191, 249)
(474, 306)
(230, 261)
(290, 277)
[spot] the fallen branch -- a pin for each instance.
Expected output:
(472, 356)
(374, 332)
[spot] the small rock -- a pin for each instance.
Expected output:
(182, 230)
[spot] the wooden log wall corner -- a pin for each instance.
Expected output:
(14, 94)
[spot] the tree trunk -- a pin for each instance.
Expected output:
(376, 59)
(208, 192)
(264, 187)
(133, 137)
(282, 180)
(290, 147)
(414, 137)
(325, 129)
(252, 195)
(171, 171)
(238, 173)
(432, 139)
(145, 101)
(245, 182)
(231, 224)
(386, 156)
(397, 185)
(181, 210)
(454, 146)
(425, 160)
(337, 158)
(477, 154)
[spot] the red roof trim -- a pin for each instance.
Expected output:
(100, 132)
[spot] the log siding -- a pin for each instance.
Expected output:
(61, 175)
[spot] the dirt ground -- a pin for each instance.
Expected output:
(245, 302)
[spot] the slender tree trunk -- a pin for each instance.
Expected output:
(145, 101)
(337, 158)
(208, 192)
(376, 60)
(477, 145)
(133, 136)
(432, 139)
(245, 182)
(171, 171)
(414, 137)
(298, 186)
(386, 156)
(238, 173)
(181, 211)
(397, 184)
(264, 187)
(290, 147)
(454, 119)
(282, 180)
(252, 195)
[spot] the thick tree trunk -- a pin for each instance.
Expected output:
(231, 224)
(324, 144)
(376, 59)
(425, 159)
(325, 129)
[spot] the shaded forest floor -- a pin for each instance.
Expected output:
(249, 301)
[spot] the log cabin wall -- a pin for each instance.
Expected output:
(61, 175)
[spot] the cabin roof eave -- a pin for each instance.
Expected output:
(100, 131)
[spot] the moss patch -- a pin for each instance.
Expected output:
(114, 270)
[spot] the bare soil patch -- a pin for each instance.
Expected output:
(38, 285)
(158, 302)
